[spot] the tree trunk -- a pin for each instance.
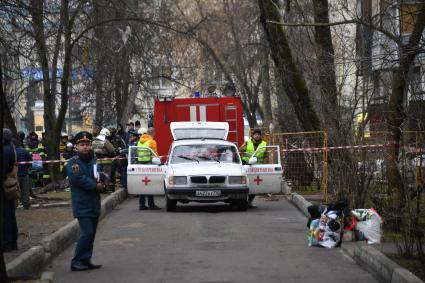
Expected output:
(99, 63)
(286, 117)
(9, 122)
(37, 8)
(281, 54)
(326, 72)
(128, 109)
(396, 113)
(52, 123)
(267, 105)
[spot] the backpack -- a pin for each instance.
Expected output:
(99, 147)
(11, 183)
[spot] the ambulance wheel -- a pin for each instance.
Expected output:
(242, 205)
(171, 205)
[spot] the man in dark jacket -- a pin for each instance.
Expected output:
(86, 187)
(24, 179)
(10, 228)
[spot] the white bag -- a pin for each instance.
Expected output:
(371, 228)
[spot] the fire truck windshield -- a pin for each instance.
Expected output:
(196, 133)
(205, 153)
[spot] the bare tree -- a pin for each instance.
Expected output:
(295, 85)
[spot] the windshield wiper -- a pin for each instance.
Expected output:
(208, 158)
(188, 158)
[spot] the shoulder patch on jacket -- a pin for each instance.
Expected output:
(75, 168)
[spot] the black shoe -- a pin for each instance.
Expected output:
(79, 268)
(154, 207)
(143, 208)
(94, 266)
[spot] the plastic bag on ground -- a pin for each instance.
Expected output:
(326, 231)
(369, 224)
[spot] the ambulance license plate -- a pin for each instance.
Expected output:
(208, 193)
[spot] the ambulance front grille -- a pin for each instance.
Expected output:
(206, 180)
(217, 179)
(198, 179)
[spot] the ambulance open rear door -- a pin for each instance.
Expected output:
(265, 174)
(145, 173)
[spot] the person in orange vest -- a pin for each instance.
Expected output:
(144, 157)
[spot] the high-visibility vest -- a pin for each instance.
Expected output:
(143, 154)
(250, 149)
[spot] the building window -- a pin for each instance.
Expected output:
(161, 77)
(408, 15)
(379, 92)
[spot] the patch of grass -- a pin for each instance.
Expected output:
(414, 265)
(391, 236)
(307, 190)
(56, 195)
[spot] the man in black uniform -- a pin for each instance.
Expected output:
(86, 187)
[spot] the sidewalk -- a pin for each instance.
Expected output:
(370, 257)
(30, 259)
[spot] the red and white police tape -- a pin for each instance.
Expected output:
(312, 149)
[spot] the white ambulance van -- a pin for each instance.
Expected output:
(202, 166)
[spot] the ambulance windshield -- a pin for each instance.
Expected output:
(205, 153)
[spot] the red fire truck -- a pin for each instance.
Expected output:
(211, 109)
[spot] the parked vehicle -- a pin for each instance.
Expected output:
(203, 166)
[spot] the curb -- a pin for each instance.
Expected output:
(46, 277)
(31, 262)
(27, 264)
(374, 261)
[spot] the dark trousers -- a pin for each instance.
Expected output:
(124, 176)
(142, 200)
(10, 228)
(25, 186)
(251, 198)
(84, 248)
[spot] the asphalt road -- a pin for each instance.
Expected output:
(209, 243)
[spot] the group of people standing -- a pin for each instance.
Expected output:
(19, 148)
(108, 143)
(89, 156)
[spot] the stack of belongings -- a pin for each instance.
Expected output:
(367, 225)
(326, 224)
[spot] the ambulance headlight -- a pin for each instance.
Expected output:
(237, 180)
(177, 180)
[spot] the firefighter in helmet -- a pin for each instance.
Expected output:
(103, 148)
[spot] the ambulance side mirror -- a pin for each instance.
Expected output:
(156, 160)
(252, 160)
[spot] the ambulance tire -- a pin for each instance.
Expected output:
(242, 205)
(171, 205)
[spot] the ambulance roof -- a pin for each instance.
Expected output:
(199, 130)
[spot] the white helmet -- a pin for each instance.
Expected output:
(69, 146)
(105, 132)
(142, 131)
